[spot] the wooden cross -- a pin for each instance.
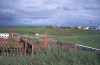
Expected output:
(10, 31)
(46, 40)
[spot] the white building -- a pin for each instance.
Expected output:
(37, 34)
(4, 35)
(58, 25)
(86, 28)
(80, 27)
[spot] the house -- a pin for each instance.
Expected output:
(53, 27)
(58, 25)
(93, 27)
(86, 28)
(37, 34)
(4, 35)
(80, 27)
(98, 28)
(63, 27)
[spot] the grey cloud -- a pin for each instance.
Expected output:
(45, 11)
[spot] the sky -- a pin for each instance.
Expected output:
(50, 12)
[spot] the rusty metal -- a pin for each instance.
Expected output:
(10, 31)
(45, 40)
(18, 44)
(68, 47)
(1, 40)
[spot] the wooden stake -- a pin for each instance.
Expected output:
(32, 49)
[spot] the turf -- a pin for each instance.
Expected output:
(55, 56)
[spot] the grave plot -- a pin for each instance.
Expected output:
(17, 43)
(10, 45)
(20, 44)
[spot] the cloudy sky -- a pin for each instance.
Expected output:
(50, 12)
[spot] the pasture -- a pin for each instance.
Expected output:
(55, 56)
(84, 37)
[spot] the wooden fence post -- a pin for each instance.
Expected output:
(32, 49)
(10, 31)
(25, 46)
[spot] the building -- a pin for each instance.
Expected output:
(53, 27)
(4, 35)
(80, 27)
(98, 28)
(93, 27)
(86, 28)
(58, 25)
(63, 27)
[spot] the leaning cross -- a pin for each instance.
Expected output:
(46, 40)
(10, 31)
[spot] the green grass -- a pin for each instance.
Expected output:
(55, 56)
(84, 37)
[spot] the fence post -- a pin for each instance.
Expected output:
(46, 42)
(10, 31)
(32, 49)
(62, 47)
(25, 46)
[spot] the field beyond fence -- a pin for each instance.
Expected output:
(55, 56)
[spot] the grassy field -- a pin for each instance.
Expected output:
(84, 37)
(55, 56)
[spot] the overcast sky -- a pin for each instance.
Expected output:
(50, 12)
